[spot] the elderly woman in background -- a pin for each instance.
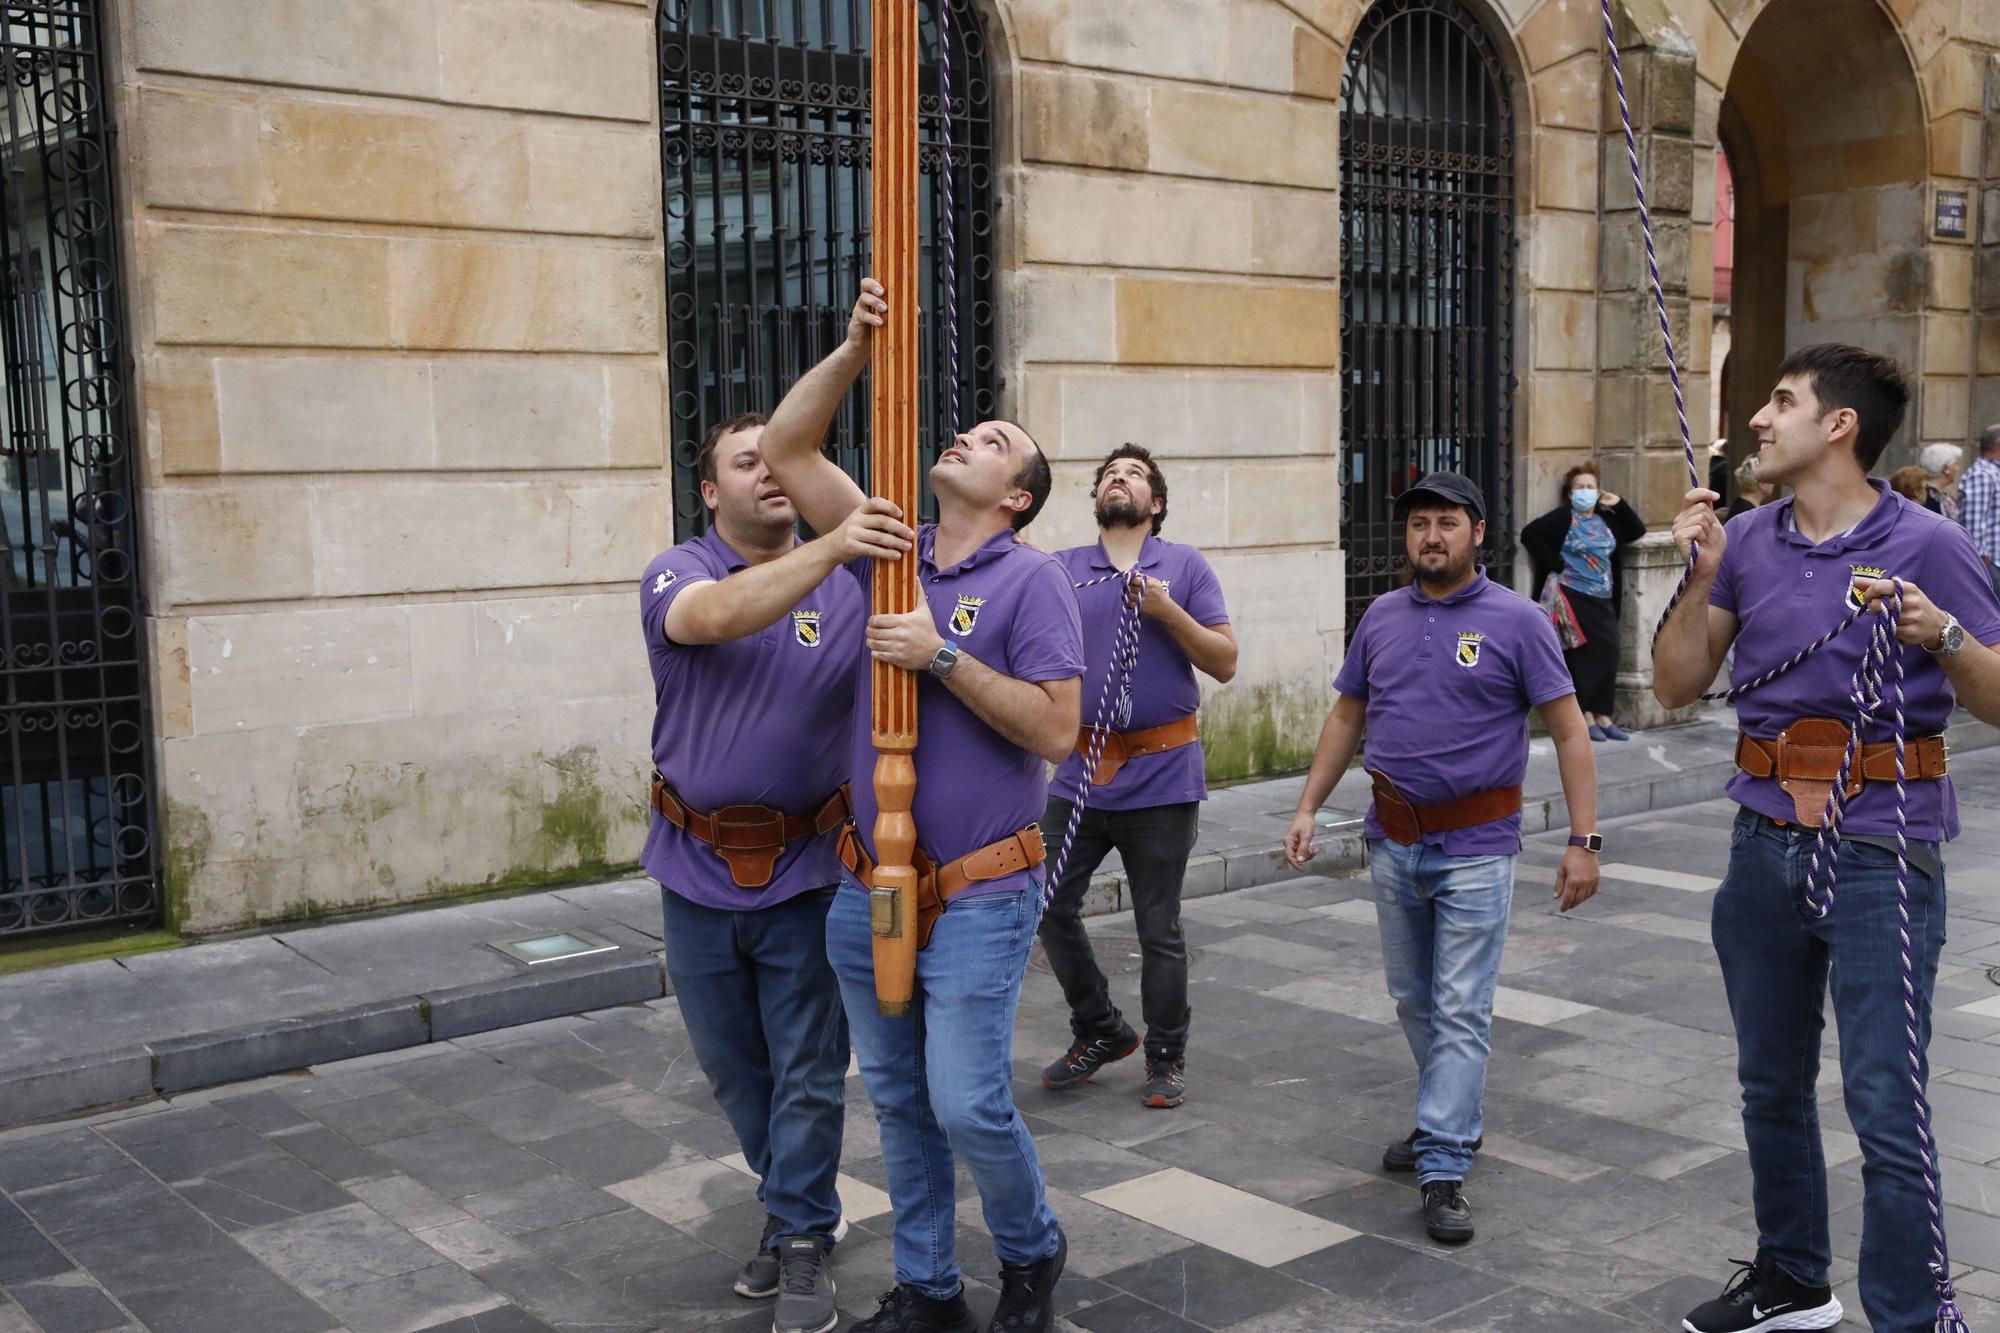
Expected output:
(1941, 464)
(1576, 544)
(1750, 492)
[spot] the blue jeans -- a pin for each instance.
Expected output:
(941, 1081)
(1778, 965)
(1444, 922)
(764, 1016)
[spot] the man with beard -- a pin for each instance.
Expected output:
(1145, 797)
(1771, 582)
(753, 639)
(1441, 675)
(1000, 652)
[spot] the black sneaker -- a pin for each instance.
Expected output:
(805, 1288)
(1166, 1084)
(1086, 1056)
(907, 1310)
(1028, 1294)
(1402, 1154)
(759, 1278)
(1764, 1296)
(1447, 1216)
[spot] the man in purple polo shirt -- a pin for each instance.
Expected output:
(1784, 574)
(1441, 675)
(753, 640)
(1145, 798)
(1001, 650)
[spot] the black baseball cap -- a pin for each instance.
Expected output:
(1449, 487)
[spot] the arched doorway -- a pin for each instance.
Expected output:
(1824, 131)
(1427, 277)
(764, 149)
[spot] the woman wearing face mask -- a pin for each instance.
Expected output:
(1576, 544)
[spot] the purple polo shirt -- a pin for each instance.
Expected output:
(761, 720)
(1786, 592)
(1448, 685)
(1012, 607)
(1163, 684)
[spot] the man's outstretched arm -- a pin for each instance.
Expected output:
(823, 494)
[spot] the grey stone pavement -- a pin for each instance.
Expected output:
(114, 1030)
(573, 1173)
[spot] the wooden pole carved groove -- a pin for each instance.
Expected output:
(892, 432)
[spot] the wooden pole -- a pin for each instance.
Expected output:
(893, 426)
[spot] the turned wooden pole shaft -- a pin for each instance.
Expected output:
(893, 427)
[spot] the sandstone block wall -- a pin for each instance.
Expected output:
(398, 290)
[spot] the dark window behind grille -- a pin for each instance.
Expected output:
(764, 140)
(76, 843)
(1427, 258)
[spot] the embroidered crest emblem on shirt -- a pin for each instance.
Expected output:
(662, 583)
(1858, 579)
(966, 614)
(1468, 649)
(805, 628)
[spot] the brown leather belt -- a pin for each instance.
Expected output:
(1121, 746)
(1406, 823)
(1805, 759)
(750, 838)
(937, 885)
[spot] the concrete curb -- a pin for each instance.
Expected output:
(99, 1079)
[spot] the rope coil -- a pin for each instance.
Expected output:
(1868, 694)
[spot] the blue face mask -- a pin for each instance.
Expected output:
(1583, 499)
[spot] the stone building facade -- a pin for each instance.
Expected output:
(398, 308)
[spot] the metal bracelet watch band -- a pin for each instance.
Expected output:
(1590, 842)
(946, 658)
(1950, 639)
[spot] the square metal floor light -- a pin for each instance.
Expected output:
(557, 948)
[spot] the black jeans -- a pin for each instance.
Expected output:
(1154, 843)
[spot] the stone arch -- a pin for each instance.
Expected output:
(1824, 123)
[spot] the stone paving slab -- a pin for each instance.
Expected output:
(113, 1031)
(573, 1173)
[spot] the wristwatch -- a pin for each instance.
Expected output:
(1590, 842)
(946, 659)
(1950, 639)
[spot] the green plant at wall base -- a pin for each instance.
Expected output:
(189, 840)
(27, 955)
(1260, 731)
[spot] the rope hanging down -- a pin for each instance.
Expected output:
(1866, 691)
(1125, 646)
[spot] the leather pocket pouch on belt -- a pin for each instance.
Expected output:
(1809, 754)
(1396, 815)
(1108, 763)
(749, 839)
(929, 906)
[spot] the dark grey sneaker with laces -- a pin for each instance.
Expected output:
(1028, 1294)
(759, 1278)
(904, 1309)
(1086, 1056)
(1763, 1296)
(805, 1287)
(1447, 1216)
(1166, 1084)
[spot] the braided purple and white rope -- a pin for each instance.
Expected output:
(948, 231)
(1659, 291)
(1124, 658)
(1881, 654)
